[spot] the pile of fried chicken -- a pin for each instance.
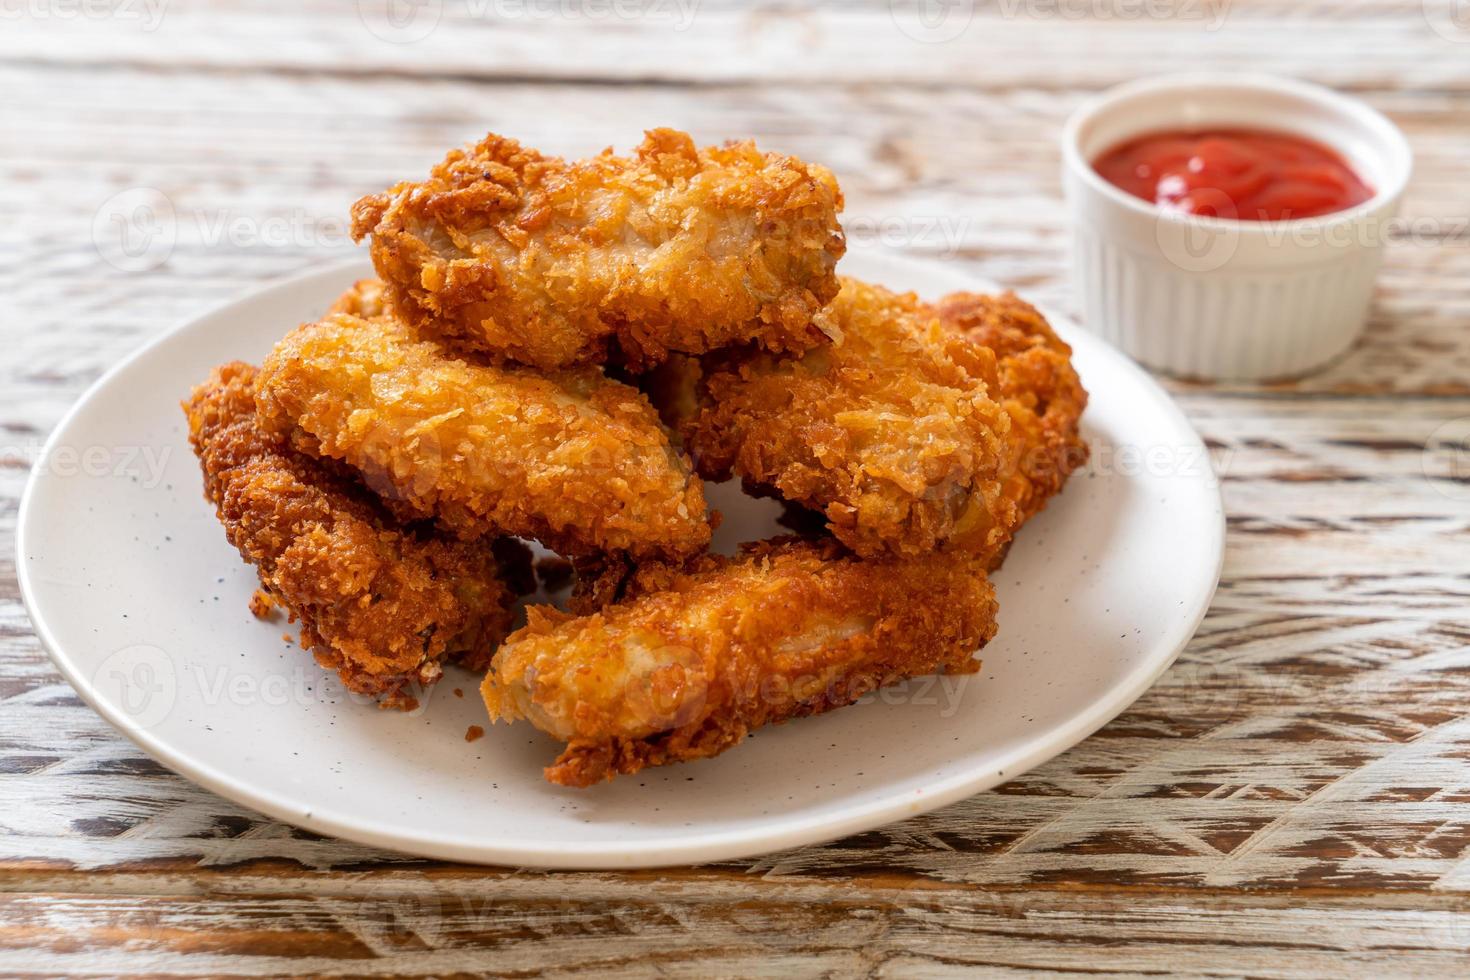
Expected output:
(561, 352)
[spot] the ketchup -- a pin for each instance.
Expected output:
(1249, 175)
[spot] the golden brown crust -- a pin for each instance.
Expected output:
(548, 262)
(367, 298)
(381, 604)
(890, 431)
(573, 459)
(694, 658)
(1043, 396)
(904, 437)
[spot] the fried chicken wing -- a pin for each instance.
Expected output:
(548, 262)
(1044, 398)
(380, 603)
(690, 661)
(921, 426)
(890, 432)
(573, 459)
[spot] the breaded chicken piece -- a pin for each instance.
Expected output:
(689, 662)
(573, 459)
(890, 432)
(1044, 398)
(548, 262)
(863, 432)
(381, 604)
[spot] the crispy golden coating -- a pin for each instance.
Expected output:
(366, 299)
(547, 262)
(901, 437)
(1043, 396)
(382, 604)
(689, 662)
(573, 459)
(890, 431)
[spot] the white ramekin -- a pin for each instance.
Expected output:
(1217, 298)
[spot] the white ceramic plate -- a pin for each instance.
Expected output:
(142, 604)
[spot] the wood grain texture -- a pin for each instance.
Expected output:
(1293, 797)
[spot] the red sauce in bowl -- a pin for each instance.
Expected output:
(1248, 175)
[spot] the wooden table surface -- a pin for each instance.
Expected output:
(1292, 799)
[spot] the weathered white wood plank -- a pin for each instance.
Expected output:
(531, 925)
(1002, 44)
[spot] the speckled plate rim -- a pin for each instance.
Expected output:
(774, 834)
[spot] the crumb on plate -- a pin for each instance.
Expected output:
(262, 606)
